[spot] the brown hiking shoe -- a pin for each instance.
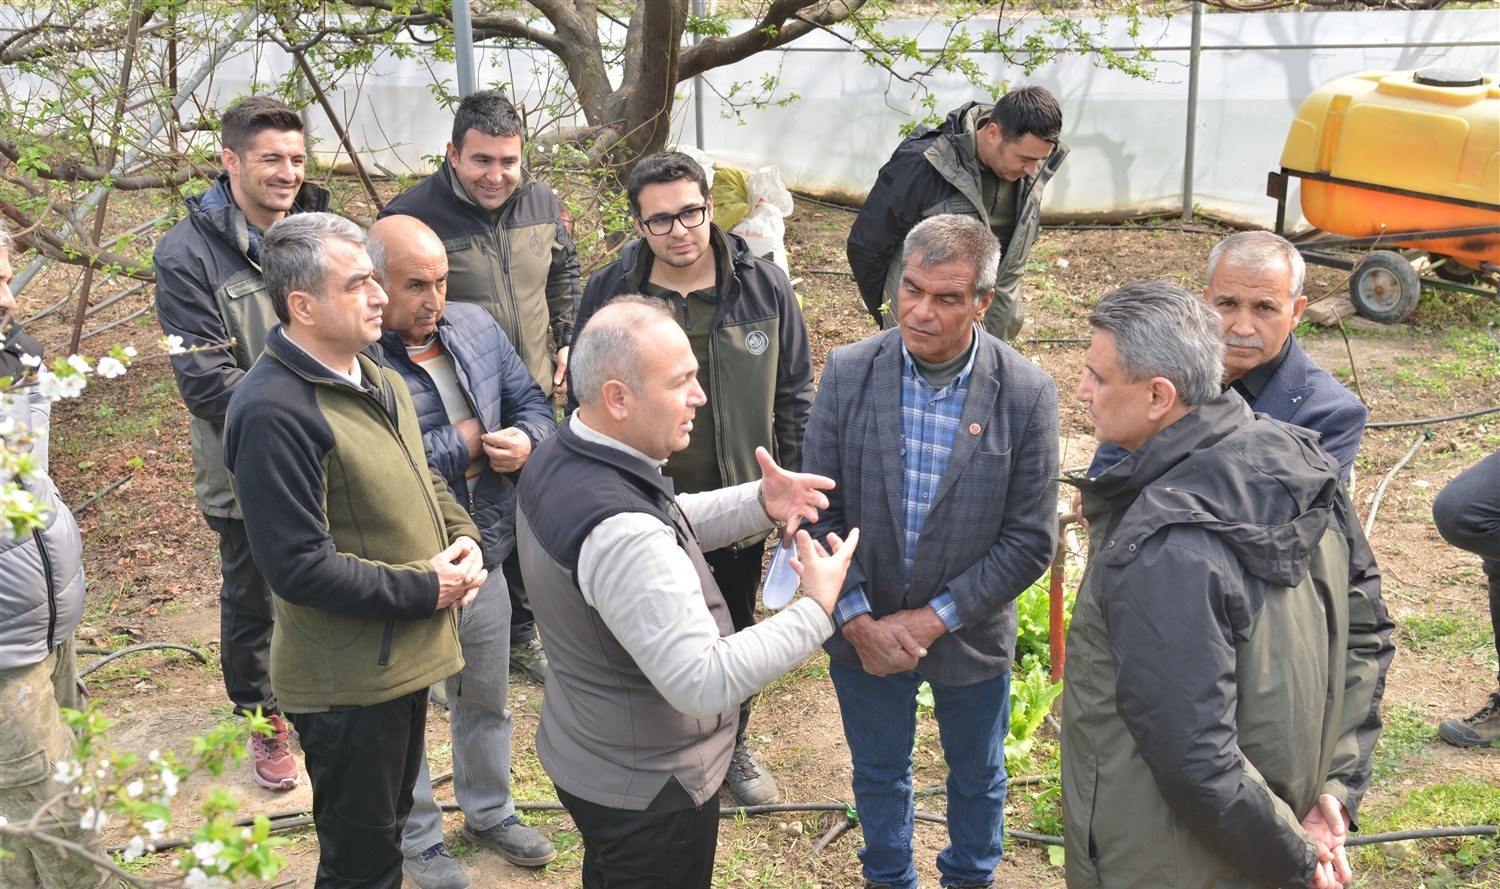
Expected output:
(271, 759)
(1480, 730)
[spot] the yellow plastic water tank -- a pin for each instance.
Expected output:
(1435, 132)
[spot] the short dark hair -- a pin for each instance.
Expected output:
(659, 168)
(1030, 110)
(245, 119)
(489, 112)
(294, 255)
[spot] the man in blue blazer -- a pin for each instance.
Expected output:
(943, 444)
(1255, 284)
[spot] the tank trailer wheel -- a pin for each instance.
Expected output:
(1384, 287)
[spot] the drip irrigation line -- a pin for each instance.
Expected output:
(1066, 340)
(101, 492)
(821, 203)
(108, 327)
(144, 646)
(1380, 491)
(1397, 424)
(839, 272)
(294, 818)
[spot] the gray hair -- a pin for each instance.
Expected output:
(5, 238)
(1161, 330)
(1257, 252)
(611, 348)
(294, 255)
(375, 249)
(954, 238)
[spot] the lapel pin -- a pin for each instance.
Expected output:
(973, 428)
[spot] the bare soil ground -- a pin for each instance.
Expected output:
(154, 577)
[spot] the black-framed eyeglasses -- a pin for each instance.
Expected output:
(692, 217)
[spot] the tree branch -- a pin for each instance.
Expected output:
(783, 22)
(71, 169)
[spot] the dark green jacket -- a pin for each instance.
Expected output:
(937, 171)
(1225, 660)
(343, 515)
(759, 378)
(519, 262)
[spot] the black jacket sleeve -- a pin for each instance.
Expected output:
(906, 185)
(185, 307)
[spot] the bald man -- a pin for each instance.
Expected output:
(481, 413)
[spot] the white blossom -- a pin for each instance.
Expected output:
(3, 821)
(31, 360)
(168, 782)
(78, 363)
(135, 848)
(7, 427)
(156, 828)
(197, 879)
(173, 344)
(153, 756)
(56, 388)
(130, 352)
(109, 368)
(93, 819)
(205, 853)
(68, 771)
(135, 788)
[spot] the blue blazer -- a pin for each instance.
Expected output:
(993, 524)
(1302, 394)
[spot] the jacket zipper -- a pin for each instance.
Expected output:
(41, 546)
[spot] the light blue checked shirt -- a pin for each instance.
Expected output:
(929, 423)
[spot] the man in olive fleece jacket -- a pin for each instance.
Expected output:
(363, 545)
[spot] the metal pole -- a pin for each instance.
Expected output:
(1190, 148)
(698, 86)
(463, 37)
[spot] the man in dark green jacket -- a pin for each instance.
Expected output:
(754, 362)
(1229, 643)
(987, 161)
(363, 545)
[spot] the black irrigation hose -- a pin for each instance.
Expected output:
(144, 646)
(295, 818)
(1397, 424)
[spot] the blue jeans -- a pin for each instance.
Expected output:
(880, 725)
(480, 723)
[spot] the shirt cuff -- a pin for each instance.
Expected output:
(947, 610)
(850, 605)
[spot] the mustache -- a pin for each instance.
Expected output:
(1244, 342)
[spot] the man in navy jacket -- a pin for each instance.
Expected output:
(481, 413)
(1255, 284)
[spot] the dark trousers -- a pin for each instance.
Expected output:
(522, 621)
(738, 572)
(624, 849)
(1467, 514)
(245, 620)
(363, 763)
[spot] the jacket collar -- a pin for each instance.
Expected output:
(627, 460)
(731, 252)
(459, 195)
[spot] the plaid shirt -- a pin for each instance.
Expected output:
(929, 422)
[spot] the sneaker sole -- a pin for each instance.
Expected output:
(508, 856)
(283, 784)
(1458, 739)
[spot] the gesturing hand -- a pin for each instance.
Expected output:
(460, 571)
(791, 497)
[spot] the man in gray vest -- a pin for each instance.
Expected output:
(209, 292)
(647, 673)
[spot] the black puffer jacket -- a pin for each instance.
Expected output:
(501, 394)
(1227, 651)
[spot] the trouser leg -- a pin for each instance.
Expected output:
(1467, 514)
(363, 764)
(33, 738)
(480, 723)
(738, 572)
(880, 724)
(245, 620)
(625, 849)
(522, 621)
(973, 721)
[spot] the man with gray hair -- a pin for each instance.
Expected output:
(1255, 281)
(1227, 648)
(648, 673)
(364, 546)
(942, 443)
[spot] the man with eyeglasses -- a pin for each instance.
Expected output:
(754, 363)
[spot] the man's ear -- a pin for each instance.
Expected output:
(1299, 305)
(231, 162)
(615, 399)
(299, 307)
(1163, 398)
(982, 306)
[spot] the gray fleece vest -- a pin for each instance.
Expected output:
(606, 734)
